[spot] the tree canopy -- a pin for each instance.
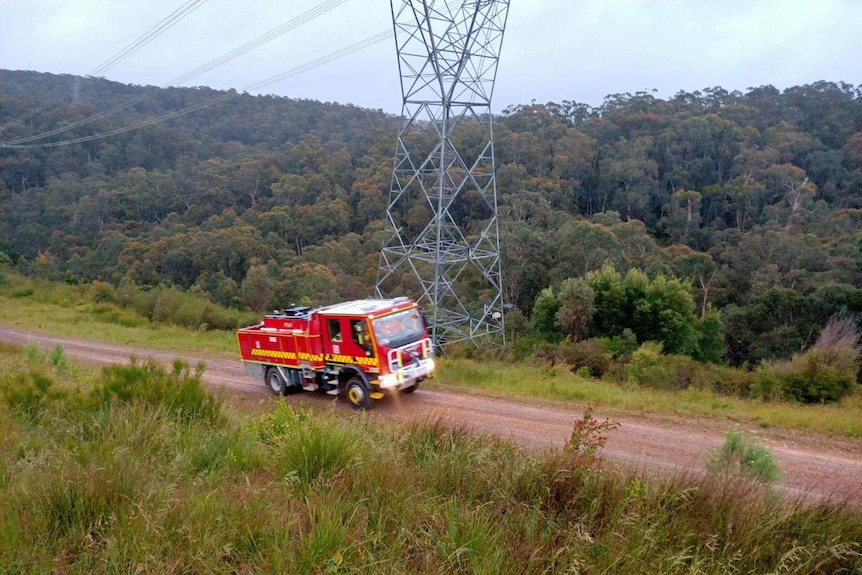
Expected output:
(667, 217)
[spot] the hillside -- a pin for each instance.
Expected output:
(752, 201)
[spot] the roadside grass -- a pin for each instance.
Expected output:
(527, 381)
(110, 479)
(67, 311)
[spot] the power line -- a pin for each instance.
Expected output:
(259, 41)
(276, 32)
(151, 34)
(154, 32)
(346, 51)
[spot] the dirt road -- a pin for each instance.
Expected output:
(815, 466)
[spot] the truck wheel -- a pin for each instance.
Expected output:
(275, 382)
(411, 389)
(357, 394)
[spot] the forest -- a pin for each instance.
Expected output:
(723, 226)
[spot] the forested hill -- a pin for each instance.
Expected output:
(754, 199)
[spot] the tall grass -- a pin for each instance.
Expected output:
(527, 381)
(125, 481)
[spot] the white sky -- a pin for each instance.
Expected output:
(553, 50)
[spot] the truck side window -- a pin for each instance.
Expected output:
(333, 326)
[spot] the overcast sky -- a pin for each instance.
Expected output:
(553, 50)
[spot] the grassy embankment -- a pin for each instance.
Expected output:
(69, 311)
(138, 469)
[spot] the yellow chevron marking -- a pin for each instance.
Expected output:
(287, 355)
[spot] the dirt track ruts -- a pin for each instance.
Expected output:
(815, 466)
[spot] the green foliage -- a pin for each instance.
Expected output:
(576, 308)
(818, 376)
(741, 455)
(622, 345)
(611, 315)
(277, 425)
(828, 371)
(58, 356)
(710, 338)
(660, 310)
(109, 313)
(180, 390)
(30, 395)
(136, 485)
(589, 354)
(18, 294)
(649, 367)
(177, 307)
(33, 353)
(544, 316)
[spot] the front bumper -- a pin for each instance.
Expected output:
(408, 375)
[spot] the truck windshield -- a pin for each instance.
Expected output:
(399, 328)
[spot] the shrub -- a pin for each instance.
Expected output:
(22, 293)
(33, 353)
(29, 395)
(151, 384)
(726, 380)
(827, 371)
(101, 292)
(589, 436)
(742, 456)
(622, 345)
(141, 300)
(589, 354)
(547, 353)
(58, 356)
(109, 313)
(818, 376)
(766, 384)
(648, 367)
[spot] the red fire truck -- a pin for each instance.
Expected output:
(357, 348)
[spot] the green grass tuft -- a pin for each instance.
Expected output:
(742, 456)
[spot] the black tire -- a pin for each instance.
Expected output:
(275, 382)
(411, 389)
(357, 393)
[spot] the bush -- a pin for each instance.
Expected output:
(29, 395)
(742, 456)
(622, 345)
(766, 383)
(589, 354)
(547, 353)
(109, 313)
(101, 292)
(151, 384)
(818, 376)
(650, 368)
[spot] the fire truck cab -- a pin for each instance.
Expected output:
(357, 349)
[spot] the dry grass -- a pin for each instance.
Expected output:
(126, 483)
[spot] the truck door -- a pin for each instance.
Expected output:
(333, 340)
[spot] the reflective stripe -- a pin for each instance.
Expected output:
(287, 355)
(351, 360)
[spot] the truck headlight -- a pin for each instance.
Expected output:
(388, 380)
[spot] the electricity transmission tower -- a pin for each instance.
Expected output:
(442, 233)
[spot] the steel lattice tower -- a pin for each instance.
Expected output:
(442, 232)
